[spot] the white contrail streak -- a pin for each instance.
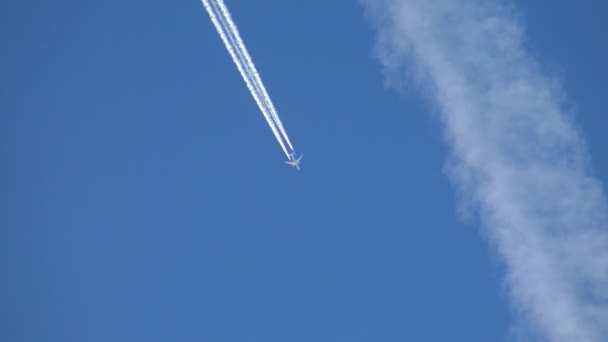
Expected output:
(236, 44)
(229, 34)
(244, 74)
(516, 156)
(257, 81)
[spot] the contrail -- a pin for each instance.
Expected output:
(257, 81)
(517, 157)
(236, 44)
(244, 74)
(229, 34)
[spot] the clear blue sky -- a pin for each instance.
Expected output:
(144, 198)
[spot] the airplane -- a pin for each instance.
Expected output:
(293, 161)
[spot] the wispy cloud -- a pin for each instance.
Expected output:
(516, 156)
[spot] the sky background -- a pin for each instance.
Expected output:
(143, 196)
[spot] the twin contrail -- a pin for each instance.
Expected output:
(222, 20)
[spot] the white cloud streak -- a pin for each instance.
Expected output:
(253, 72)
(222, 20)
(516, 156)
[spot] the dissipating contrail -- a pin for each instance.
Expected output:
(517, 156)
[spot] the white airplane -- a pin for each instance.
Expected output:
(293, 161)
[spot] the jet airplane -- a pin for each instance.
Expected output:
(293, 161)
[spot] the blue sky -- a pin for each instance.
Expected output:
(145, 198)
